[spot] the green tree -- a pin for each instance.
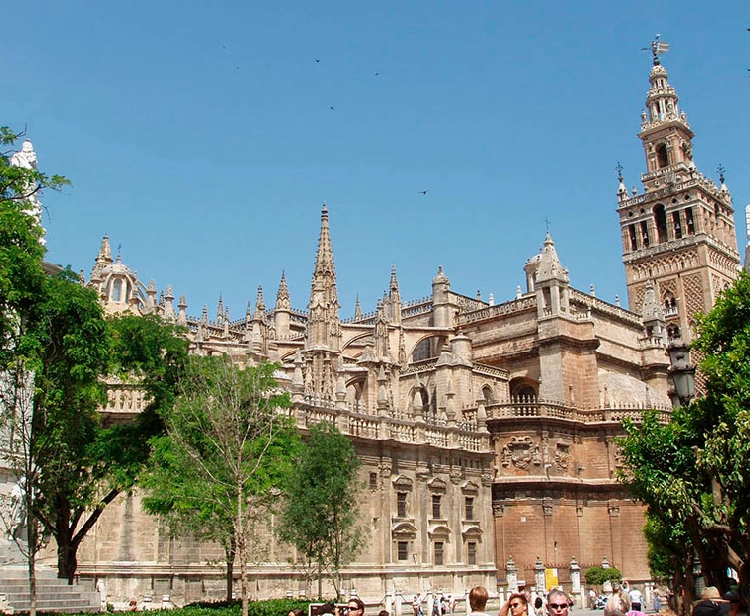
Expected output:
(597, 576)
(693, 473)
(319, 515)
(83, 464)
(22, 280)
(55, 350)
(227, 448)
(21, 251)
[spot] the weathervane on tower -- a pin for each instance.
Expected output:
(657, 48)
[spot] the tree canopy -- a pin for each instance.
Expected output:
(56, 349)
(320, 516)
(694, 472)
(227, 449)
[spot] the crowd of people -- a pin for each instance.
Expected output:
(623, 601)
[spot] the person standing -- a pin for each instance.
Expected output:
(636, 599)
(417, 605)
(478, 600)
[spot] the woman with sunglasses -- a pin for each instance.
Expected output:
(516, 605)
(355, 607)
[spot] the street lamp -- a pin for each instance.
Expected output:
(681, 371)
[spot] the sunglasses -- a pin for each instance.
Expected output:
(515, 605)
(558, 606)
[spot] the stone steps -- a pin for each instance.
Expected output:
(52, 595)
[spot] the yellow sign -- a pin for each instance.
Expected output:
(550, 578)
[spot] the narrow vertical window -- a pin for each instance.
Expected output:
(373, 481)
(644, 234)
(401, 504)
(471, 553)
(436, 506)
(469, 506)
(677, 225)
(689, 222)
(633, 237)
(660, 220)
(438, 553)
(403, 550)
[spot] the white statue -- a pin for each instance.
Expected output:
(17, 508)
(26, 159)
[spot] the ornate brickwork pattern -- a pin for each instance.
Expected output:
(693, 293)
(723, 263)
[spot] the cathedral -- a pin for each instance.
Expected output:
(487, 432)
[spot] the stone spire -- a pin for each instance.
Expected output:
(283, 301)
(103, 258)
(549, 263)
(324, 276)
(358, 308)
(323, 322)
(551, 281)
(220, 311)
(281, 312)
(394, 299)
(323, 333)
(260, 306)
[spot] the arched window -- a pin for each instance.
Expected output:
(487, 394)
(116, 291)
(524, 389)
(673, 331)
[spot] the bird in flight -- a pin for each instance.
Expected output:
(331, 107)
(423, 192)
(377, 74)
(317, 59)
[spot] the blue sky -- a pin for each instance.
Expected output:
(200, 136)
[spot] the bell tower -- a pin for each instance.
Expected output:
(678, 235)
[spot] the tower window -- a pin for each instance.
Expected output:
(401, 504)
(373, 481)
(689, 222)
(677, 225)
(633, 237)
(662, 160)
(644, 234)
(660, 218)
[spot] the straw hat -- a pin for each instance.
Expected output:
(710, 592)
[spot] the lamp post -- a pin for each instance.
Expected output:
(681, 371)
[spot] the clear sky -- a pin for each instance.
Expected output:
(203, 137)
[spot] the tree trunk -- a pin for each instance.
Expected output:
(230, 553)
(32, 529)
(241, 549)
(320, 581)
(67, 557)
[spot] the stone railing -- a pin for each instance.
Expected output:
(516, 305)
(490, 371)
(432, 430)
(531, 407)
(598, 305)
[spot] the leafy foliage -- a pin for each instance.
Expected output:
(227, 449)
(21, 252)
(596, 576)
(319, 516)
(694, 472)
